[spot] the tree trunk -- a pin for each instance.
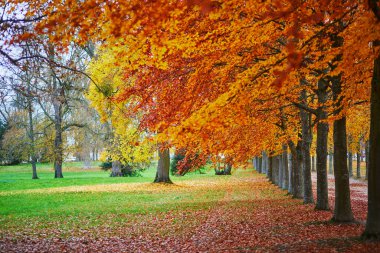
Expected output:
(281, 172)
(291, 173)
(228, 169)
(366, 159)
(275, 170)
(116, 169)
(58, 145)
(322, 140)
(296, 172)
(372, 229)
(313, 163)
(260, 164)
(163, 167)
(306, 144)
(285, 167)
(358, 162)
(350, 171)
(342, 210)
(270, 168)
(31, 137)
(265, 163)
(331, 166)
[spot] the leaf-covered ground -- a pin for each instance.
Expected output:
(205, 213)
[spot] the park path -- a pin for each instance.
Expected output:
(359, 195)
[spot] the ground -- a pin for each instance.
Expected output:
(88, 211)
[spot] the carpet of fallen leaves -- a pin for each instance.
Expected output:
(251, 215)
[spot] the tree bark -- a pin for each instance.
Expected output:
(350, 170)
(331, 166)
(342, 210)
(281, 172)
(260, 164)
(285, 166)
(58, 145)
(31, 137)
(306, 143)
(372, 229)
(366, 159)
(228, 169)
(358, 162)
(163, 167)
(265, 163)
(291, 173)
(116, 169)
(296, 171)
(322, 140)
(270, 168)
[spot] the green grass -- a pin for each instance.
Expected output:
(28, 205)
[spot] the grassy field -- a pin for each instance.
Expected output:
(89, 195)
(88, 211)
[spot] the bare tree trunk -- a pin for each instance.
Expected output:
(372, 229)
(342, 210)
(313, 163)
(322, 140)
(163, 167)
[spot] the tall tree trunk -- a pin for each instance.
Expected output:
(260, 164)
(58, 145)
(342, 210)
(270, 168)
(313, 163)
(296, 171)
(285, 166)
(281, 172)
(265, 163)
(291, 173)
(275, 170)
(306, 143)
(322, 140)
(31, 137)
(350, 170)
(358, 162)
(163, 167)
(372, 229)
(331, 166)
(366, 159)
